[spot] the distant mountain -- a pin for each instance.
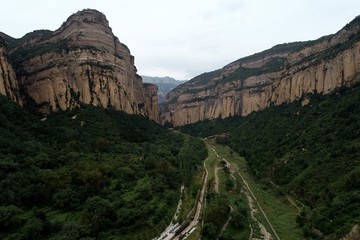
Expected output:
(165, 84)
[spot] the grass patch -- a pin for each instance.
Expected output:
(280, 212)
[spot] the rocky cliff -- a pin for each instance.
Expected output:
(8, 83)
(354, 233)
(80, 63)
(282, 74)
(151, 101)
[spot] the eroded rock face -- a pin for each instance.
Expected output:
(8, 84)
(354, 233)
(80, 63)
(279, 75)
(151, 101)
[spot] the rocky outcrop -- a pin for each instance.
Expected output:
(80, 63)
(151, 101)
(354, 233)
(8, 83)
(282, 74)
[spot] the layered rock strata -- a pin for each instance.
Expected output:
(8, 83)
(283, 74)
(80, 63)
(151, 101)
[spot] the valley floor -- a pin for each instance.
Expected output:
(266, 215)
(270, 216)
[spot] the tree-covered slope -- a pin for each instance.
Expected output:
(89, 173)
(310, 152)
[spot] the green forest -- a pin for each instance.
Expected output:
(311, 153)
(90, 173)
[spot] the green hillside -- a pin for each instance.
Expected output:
(89, 173)
(311, 153)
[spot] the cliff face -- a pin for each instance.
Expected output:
(151, 101)
(282, 74)
(353, 234)
(80, 63)
(8, 83)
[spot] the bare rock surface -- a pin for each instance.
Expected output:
(82, 62)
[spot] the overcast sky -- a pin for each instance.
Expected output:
(185, 38)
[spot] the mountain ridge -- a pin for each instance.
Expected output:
(281, 74)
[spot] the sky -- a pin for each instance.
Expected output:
(184, 38)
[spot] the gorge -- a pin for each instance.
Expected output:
(85, 152)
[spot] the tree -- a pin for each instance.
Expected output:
(75, 231)
(209, 231)
(66, 199)
(37, 227)
(99, 213)
(10, 216)
(238, 220)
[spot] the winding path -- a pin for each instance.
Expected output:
(216, 182)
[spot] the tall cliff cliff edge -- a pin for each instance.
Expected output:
(82, 62)
(8, 83)
(282, 74)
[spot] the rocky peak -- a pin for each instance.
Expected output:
(87, 16)
(82, 62)
(84, 27)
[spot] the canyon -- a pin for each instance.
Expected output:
(83, 63)
(282, 74)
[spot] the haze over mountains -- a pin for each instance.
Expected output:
(165, 85)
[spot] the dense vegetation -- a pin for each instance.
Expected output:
(273, 65)
(310, 152)
(89, 173)
(216, 214)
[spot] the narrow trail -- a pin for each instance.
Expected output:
(216, 176)
(226, 223)
(293, 203)
(216, 181)
(253, 211)
(258, 204)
